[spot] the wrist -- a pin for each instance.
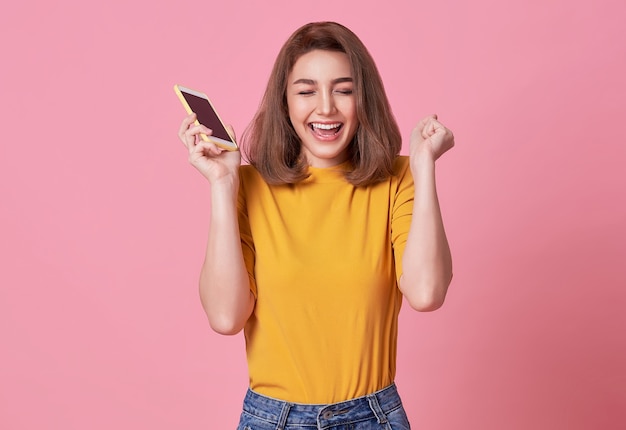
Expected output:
(225, 187)
(422, 161)
(225, 181)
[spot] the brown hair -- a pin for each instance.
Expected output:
(271, 143)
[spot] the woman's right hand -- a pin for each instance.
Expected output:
(215, 164)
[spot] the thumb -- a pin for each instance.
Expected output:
(424, 121)
(420, 131)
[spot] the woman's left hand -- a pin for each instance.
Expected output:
(430, 138)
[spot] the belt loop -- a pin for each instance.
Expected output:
(375, 406)
(284, 413)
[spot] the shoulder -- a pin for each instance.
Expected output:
(402, 179)
(251, 182)
(249, 174)
(247, 169)
(402, 169)
(401, 165)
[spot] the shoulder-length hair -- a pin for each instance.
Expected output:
(271, 144)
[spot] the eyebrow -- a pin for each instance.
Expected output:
(313, 82)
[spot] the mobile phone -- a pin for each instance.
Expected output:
(198, 103)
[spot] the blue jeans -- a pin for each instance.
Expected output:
(381, 410)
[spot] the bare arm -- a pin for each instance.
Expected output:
(224, 282)
(427, 262)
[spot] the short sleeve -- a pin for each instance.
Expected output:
(245, 233)
(401, 210)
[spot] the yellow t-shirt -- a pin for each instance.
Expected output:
(323, 258)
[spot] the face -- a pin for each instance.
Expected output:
(322, 106)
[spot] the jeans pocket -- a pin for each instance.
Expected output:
(397, 420)
(251, 422)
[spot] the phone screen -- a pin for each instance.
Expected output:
(206, 115)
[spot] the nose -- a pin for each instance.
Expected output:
(325, 103)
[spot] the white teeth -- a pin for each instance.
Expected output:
(326, 126)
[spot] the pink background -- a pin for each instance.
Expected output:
(103, 222)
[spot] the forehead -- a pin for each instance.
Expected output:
(321, 65)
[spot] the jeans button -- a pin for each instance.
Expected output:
(327, 415)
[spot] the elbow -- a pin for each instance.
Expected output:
(425, 304)
(223, 319)
(227, 316)
(427, 297)
(225, 326)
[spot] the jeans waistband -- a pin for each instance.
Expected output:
(284, 413)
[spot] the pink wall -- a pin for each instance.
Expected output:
(103, 221)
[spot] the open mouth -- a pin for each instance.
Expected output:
(325, 130)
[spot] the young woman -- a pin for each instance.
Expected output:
(313, 245)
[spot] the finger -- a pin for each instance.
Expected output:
(430, 127)
(206, 149)
(422, 123)
(443, 136)
(200, 147)
(190, 135)
(437, 126)
(189, 139)
(417, 133)
(193, 135)
(442, 129)
(202, 129)
(184, 126)
(424, 128)
(199, 129)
